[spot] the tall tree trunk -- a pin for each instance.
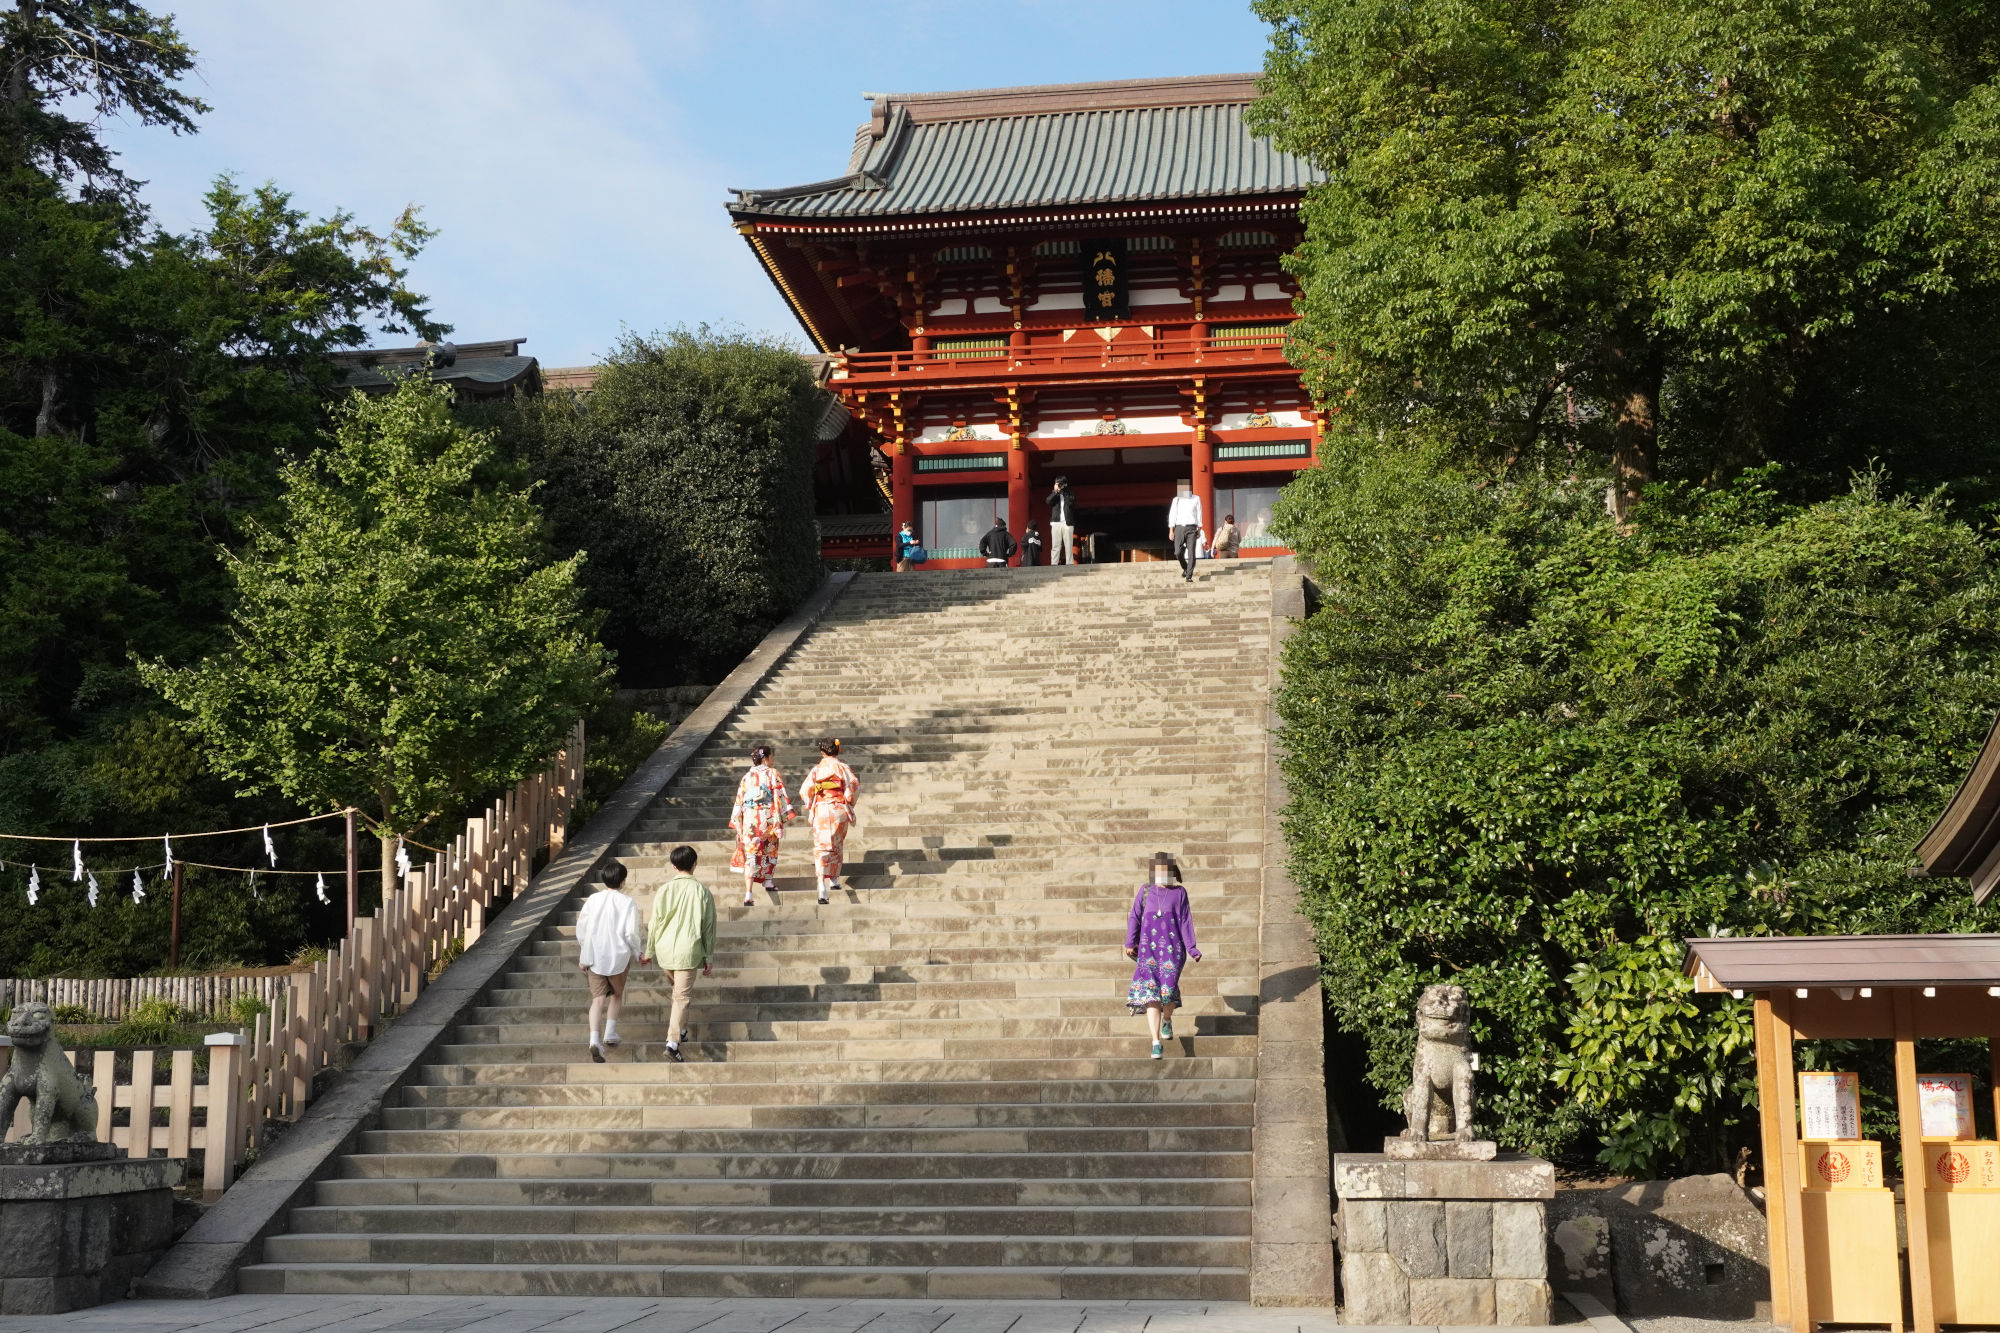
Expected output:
(45, 418)
(18, 91)
(1635, 435)
(388, 864)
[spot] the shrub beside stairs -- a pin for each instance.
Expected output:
(930, 1088)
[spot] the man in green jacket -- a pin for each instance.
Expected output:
(681, 936)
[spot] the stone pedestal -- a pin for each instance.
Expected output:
(79, 1221)
(1442, 1241)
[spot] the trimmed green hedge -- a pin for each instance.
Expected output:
(687, 475)
(1529, 754)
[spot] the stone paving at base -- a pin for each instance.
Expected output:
(612, 1314)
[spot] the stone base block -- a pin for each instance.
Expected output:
(1444, 1242)
(1451, 1300)
(1522, 1304)
(76, 1234)
(1440, 1150)
(1375, 1288)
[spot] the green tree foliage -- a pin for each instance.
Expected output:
(401, 641)
(687, 474)
(1653, 236)
(107, 56)
(1529, 751)
(151, 387)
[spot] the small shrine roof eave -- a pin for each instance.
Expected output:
(1788, 962)
(1965, 839)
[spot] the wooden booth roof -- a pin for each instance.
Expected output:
(1767, 963)
(1965, 840)
(1064, 144)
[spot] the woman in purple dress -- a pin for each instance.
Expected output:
(1159, 936)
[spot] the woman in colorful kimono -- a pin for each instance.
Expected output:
(828, 795)
(762, 809)
(1159, 936)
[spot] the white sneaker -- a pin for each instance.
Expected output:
(611, 1039)
(748, 901)
(596, 1053)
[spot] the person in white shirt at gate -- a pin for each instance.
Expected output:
(607, 939)
(1184, 526)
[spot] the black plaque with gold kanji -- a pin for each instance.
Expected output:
(1105, 292)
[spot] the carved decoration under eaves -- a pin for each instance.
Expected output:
(1259, 421)
(1113, 427)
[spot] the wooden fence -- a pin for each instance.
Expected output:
(266, 1072)
(112, 999)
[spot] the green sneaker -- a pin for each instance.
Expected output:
(1157, 1052)
(1166, 1029)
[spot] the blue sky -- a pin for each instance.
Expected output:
(575, 156)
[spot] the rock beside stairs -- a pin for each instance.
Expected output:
(930, 1087)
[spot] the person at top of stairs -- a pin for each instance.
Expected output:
(828, 794)
(607, 936)
(1159, 936)
(681, 937)
(1184, 526)
(763, 808)
(997, 545)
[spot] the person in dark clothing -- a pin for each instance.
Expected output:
(997, 545)
(1031, 548)
(1062, 523)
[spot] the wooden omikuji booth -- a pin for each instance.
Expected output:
(1831, 1212)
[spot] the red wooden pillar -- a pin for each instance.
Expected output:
(902, 493)
(1017, 492)
(1204, 462)
(1204, 479)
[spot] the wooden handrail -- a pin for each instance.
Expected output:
(1131, 349)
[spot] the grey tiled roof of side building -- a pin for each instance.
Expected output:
(1125, 154)
(480, 370)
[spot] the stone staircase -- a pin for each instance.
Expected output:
(931, 1087)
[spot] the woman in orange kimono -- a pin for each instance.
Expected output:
(828, 793)
(762, 809)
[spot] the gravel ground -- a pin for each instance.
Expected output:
(1679, 1324)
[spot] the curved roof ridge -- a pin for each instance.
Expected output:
(1040, 99)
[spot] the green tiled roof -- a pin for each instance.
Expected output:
(943, 154)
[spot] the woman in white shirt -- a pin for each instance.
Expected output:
(607, 939)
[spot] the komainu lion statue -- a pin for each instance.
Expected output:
(1439, 1103)
(64, 1108)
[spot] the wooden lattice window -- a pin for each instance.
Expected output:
(1247, 335)
(969, 349)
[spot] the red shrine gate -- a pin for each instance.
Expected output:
(1078, 280)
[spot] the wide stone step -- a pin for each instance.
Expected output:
(561, 1007)
(709, 1027)
(902, 1053)
(710, 1219)
(1120, 1115)
(914, 967)
(1017, 1282)
(1151, 1194)
(1166, 1086)
(757, 1250)
(682, 1140)
(782, 1165)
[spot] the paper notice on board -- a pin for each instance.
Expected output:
(1946, 1100)
(1830, 1106)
